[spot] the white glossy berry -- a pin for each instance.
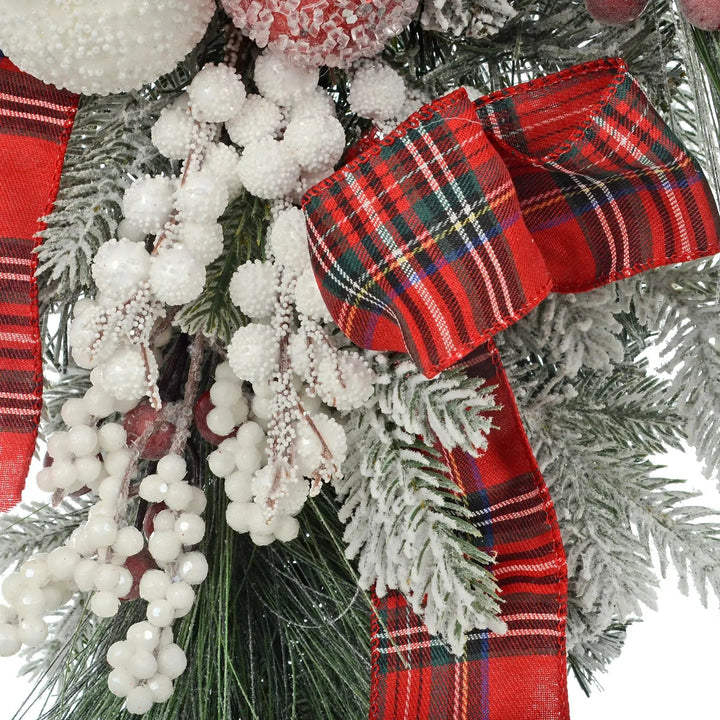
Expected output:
(203, 240)
(161, 687)
(143, 636)
(179, 495)
(142, 664)
(160, 612)
(181, 596)
(199, 501)
(82, 440)
(104, 604)
(238, 487)
(216, 93)
(253, 289)
(61, 562)
(377, 92)
(139, 700)
(9, 640)
(111, 436)
(268, 169)
(223, 162)
(281, 80)
(262, 539)
(172, 467)
(32, 631)
(317, 142)
(35, 570)
(119, 653)
(30, 602)
(153, 488)
(87, 470)
(192, 568)
(74, 412)
(222, 460)
(308, 299)
(164, 545)
(117, 461)
(176, 275)
(154, 585)
(148, 202)
(258, 118)
(99, 402)
(253, 353)
(129, 373)
(120, 682)
(129, 541)
(221, 421)
(226, 393)
(248, 459)
(119, 267)
(107, 577)
(288, 240)
(202, 197)
(171, 661)
(190, 528)
(172, 133)
(250, 433)
(165, 520)
(285, 528)
(101, 531)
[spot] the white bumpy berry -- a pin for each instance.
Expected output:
(176, 276)
(268, 169)
(316, 141)
(253, 353)
(223, 162)
(281, 80)
(119, 267)
(258, 118)
(308, 299)
(172, 133)
(216, 93)
(288, 240)
(129, 372)
(253, 289)
(377, 92)
(203, 240)
(148, 202)
(202, 197)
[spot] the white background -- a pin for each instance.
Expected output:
(669, 669)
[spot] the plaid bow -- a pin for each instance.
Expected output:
(35, 122)
(444, 233)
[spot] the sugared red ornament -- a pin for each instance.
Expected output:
(90, 46)
(332, 32)
(703, 14)
(617, 12)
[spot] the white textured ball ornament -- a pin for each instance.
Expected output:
(90, 46)
(308, 299)
(289, 240)
(258, 118)
(176, 276)
(253, 353)
(202, 197)
(253, 289)
(172, 133)
(148, 202)
(316, 141)
(283, 81)
(223, 161)
(377, 92)
(129, 373)
(216, 94)
(119, 267)
(203, 240)
(268, 169)
(346, 381)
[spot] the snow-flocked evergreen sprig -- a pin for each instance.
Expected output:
(451, 408)
(409, 527)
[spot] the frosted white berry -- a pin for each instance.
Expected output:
(112, 436)
(316, 102)
(130, 231)
(253, 289)
(289, 241)
(258, 118)
(148, 202)
(253, 353)
(345, 381)
(176, 276)
(377, 92)
(316, 141)
(308, 299)
(74, 412)
(223, 162)
(281, 80)
(129, 373)
(119, 267)
(104, 604)
(268, 169)
(164, 545)
(227, 393)
(238, 487)
(216, 93)
(172, 468)
(203, 240)
(154, 585)
(285, 528)
(82, 440)
(202, 197)
(172, 133)
(193, 568)
(9, 640)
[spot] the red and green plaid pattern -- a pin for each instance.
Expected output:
(444, 233)
(35, 121)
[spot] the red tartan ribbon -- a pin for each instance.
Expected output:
(439, 236)
(35, 123)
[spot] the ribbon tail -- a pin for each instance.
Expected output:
(519, 675)
(35, 123)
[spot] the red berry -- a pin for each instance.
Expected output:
(704, 14)
(202, 407)
(136, 422)
(138, 565)
(615, 12)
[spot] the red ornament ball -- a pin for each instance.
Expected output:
(616, 12)
(703, 14)
(137, 420)
(321, 32)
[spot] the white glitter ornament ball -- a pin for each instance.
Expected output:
(203, 240)
(268, 169)
(377, 92)
(289, 241)
(129, 372)
(176, 276)
(316, 141)
(90, 46)
(172, 133)
(148, 202)
(283, 81)
(223, 161)
(216, 93)
(308, 299)
(253, 353)
(333, 33)
(202, 197)
(119, 267)
(253, 289)
(258, 118)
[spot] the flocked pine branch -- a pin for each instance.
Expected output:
(475, 18)
(451, 407)
(410, 529)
